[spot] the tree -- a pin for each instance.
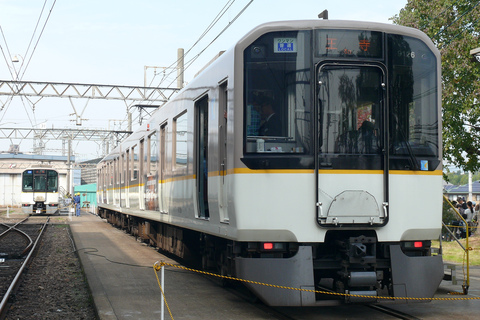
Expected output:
(454, 28)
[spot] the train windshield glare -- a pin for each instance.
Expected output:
(349, 113)
(333, 88)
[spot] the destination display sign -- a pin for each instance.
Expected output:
(349, 43)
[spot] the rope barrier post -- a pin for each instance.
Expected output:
(467, 248)
(162, 277)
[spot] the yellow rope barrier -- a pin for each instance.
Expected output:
(306, 290)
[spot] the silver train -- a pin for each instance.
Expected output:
(308, 156)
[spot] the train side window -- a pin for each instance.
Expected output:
(115, 171)
(110, 173)
(104, 176)
(123, 166)
(180, 143)
(100, 176)
(52, 181)
(134, 163)
(142, 158)
(153, 153)
(126, 166)
(27, 183)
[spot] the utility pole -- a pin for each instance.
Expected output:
(180, 67)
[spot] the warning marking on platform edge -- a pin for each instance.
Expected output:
(158, 265)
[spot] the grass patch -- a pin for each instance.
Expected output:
(452, 252)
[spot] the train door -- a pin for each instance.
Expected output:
(142, 175)
(39, 190)
(126, 175)
(351, 134)
(116, 182)
(222, 145)
(201, 134)
(123, 172)
(151, 172)
(104, 184)
(161, 170)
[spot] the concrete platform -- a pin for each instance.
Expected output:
(122, 280)
(124, 286)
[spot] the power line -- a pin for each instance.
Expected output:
(459, 33)
(221, 32)
(208, 29)
(38, 40)
(33, 35)
(8, 52)
(191, 61)
(458, 18)
(438, 15)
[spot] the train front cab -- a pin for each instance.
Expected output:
(359, 109)
(40, 191)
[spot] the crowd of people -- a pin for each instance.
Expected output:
(469, 212)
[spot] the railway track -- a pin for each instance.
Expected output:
(392, 312)
(17, 243)
(334, 311)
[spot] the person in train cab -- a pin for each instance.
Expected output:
(270, 125)
(253, 119)
(76, 201)
(366, 138)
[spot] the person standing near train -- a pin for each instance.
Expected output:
(76, 200)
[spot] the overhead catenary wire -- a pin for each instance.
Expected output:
(474, 23)
(191, 61)
(457, 19)
(33, 34)
(205, 32)
(38, 40)
(18, 74)
(7, 61)
(438, 15)
(189, 64)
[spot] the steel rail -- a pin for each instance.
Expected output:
(3, 304)
(14, 229)
(392, 312)
(10, 227)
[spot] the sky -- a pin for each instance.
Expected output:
(110, 42)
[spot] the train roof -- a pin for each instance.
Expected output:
(291, 25)
(337, 24)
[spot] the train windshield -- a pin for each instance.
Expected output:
(413, 120)
(40, 180)
(350, 116)
(278, 94)
(337, 94)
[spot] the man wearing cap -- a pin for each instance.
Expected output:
(76, 200)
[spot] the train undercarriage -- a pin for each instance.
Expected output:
(349, 267)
